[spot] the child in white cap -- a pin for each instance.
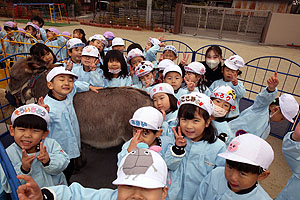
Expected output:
(146, 123)
(291, 152)
(100, 42)
(231, 70)
(248, 158)
(134, 57)
(170, 52)
(164, 100)
(118, 44)
(88, 70)
(153, 46)
(33, 153)
(195, 75)
(63, 126)
(265, 109)
(194, 153)
(55, 42)
(146, 74)
(223, 98)
(75, 47)
(161, 66)
(146, 180)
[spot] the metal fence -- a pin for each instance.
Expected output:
(220, 22)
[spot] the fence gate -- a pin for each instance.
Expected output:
(242, 24)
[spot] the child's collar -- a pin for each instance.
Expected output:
(245, 191)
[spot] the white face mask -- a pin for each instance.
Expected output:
(114, 71)
(212, 63)
(144, 82)
(218, 111)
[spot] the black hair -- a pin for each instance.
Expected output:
(134, 46)
(81, 31)
(30, 121)
(244, 167)
(39, 49)
(173, 102)
(114, 55)
(275, 102)
(8, 28)
(154, 131)
(39, 20)
(188, 111)
(239, 71)
(214, 48)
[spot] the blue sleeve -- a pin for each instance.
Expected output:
(172, 160)
(264, 99)
(81, 86)
(150, 55)
(43, 34)
(239, 89)
(96, 78)
(291, 152)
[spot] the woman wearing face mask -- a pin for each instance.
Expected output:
(223, 98)
(212, 63)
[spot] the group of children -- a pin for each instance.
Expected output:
(194, 135)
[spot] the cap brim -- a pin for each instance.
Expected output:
(230, 66)
(148, 183)
(283, 112)
(237, 158)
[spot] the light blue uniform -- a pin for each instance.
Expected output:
(118, 82)
(256, 118)
(291, 152)
(207, 92)
(188, 170)
(169, 122)
(77, 192)
(150, 55)
(214, 187)
(94, 78)
(239, 92)
(64, 127)
(181, 91)
(43, 34)
(43, 175)
(223, 127)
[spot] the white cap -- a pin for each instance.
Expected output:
(31, 109)
(134, 53)
(147, 117)
(118, 42)
(288, 107)
(224, 92)
(145, 67)
(162, 65)
(234, 62)
(90, 50)
(197, 99)
(154, 41)
(195, 67)
(99, 37)
(162, 87)
(59, 70)
(143, 168)
(172, 68)
(171, 48)
(74, 42)
(249, 149)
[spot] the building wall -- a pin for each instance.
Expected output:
(274, 6)
(283, 29)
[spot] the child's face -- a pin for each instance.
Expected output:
(239, 180)
(174, 79)
(276, 115)
(193, 128)
(132, 192)
(77, 35)
(27, 138)
(50, 34)
(98, 44)
(136, 61)
(36, 23)
(192, 77)
(228, 74)
(76, 54)
(88, 60)
(114, 64)
(48, 57)
(147, 136)
(168, 54)
(148, 78)
(61, 86)
(223, 104)
(161, 101)
(30, 30)
(120, 48)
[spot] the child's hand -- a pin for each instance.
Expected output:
(95, 89)
(272, 82)
(234, 80)
(132, 70)
(296, 134)
(38, 36)
(161, 38)
(184, 60)
(189, 84)
(147, 82)
(162, 44)
(69, 65)
(26, 160)
(44, 156)
(148, 46)
(164, 114)
(42, 103)
(30, 190)
(135, 140)
(93, 66)
(180, 141)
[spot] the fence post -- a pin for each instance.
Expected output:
(178, 18)
(222, 23)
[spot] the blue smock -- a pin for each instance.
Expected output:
(118, 82)
(150, 55)
(94, 78)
